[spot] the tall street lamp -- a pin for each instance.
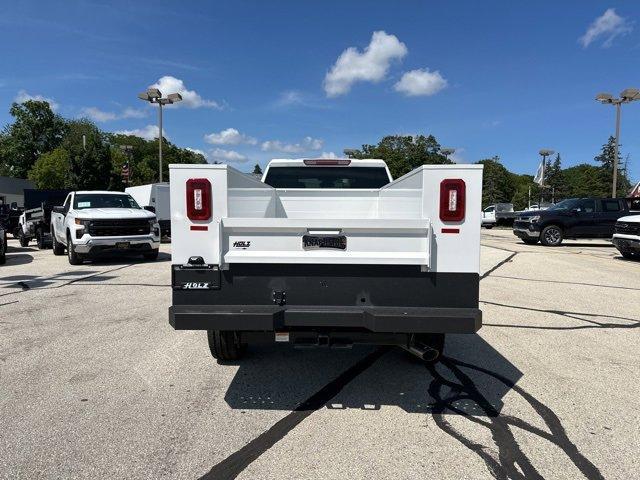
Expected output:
(544, 153)
(153, 95)
(626, 96)
(447, 151)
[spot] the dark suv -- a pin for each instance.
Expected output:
(572, 218)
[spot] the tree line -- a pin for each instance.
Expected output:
(55, 152)
(403, 153)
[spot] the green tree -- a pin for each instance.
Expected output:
(586, 180)
(51, 170)
(257, 170)
(144, 158)
(606, 160)
(35, 130)
(89, 159)
(554, 179)
(498, 185)
(404, 153)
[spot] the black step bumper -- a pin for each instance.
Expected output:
(269, 318)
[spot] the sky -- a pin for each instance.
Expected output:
(285, 79)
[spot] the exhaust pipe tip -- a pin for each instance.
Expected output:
(423, 352)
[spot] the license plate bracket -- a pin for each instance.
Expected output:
(123, 245)
(316, 242)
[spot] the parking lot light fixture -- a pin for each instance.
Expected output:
(446, 151)
(628, 95)
(154, 95)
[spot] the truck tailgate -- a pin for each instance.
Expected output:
(350, 241)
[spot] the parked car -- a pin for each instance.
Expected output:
(627, 236)
(572, 218)
(326, 252)
(9, 216)
(155, 198)
(35, 221)
(3, 244)
(498, 214)
(91, 223)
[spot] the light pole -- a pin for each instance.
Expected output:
(153, 95)
(626, 96)
(544, 153)
(447, 151)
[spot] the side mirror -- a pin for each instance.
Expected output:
(14, 206)
(150, 208)
(58, 209)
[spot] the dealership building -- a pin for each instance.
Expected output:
(12, 190)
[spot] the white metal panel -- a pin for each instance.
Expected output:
(369, 241)
(328, 203)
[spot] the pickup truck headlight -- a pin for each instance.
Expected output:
(534, 219)
(154, 226)
(82, 222)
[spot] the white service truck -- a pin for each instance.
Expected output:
(155, 198)
(91, 223)
(326, 252)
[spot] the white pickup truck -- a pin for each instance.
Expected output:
(91, 223)
(626, 237)
(326, 252)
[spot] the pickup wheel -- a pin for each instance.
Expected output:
(488, 227)
(41, 242)
(24, 241)
(58, 248)
(3, 251)
(551, 236)
(153, 255)
(225, 345)
(630, 255)
(74, 258)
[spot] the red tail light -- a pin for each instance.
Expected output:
(452, 201)
(198, 199)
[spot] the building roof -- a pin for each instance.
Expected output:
(14, 186)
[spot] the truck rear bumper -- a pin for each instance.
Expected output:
(285, 318)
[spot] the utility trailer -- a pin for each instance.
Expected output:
(35, 221)
(156, 196)
(333, 255)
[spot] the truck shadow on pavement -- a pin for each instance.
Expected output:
(277, 377)
(468, 384)
(18, 258)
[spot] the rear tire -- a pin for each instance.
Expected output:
(488, 227)
(153, 255)
(530, 241)
(40, 240)
(24, 241)
(225, 345)
(58, 248)
(74, 258)
(629, 255)
(3, 250)
(551, 236)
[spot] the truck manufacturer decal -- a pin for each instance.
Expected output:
(241, 244)
(195, 286)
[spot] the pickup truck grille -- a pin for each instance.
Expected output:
(628, 228)
(118, 227)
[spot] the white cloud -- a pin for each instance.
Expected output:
(328, 155)
(307, 144)
(369, 66)
(198, 151)
(150, 132)
(227, 156)
(102, 116)
(190, 98)
(230, 136)
(608, 26)
(420, 82)
(23, 96)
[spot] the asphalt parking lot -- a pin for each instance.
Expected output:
(96, 384)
